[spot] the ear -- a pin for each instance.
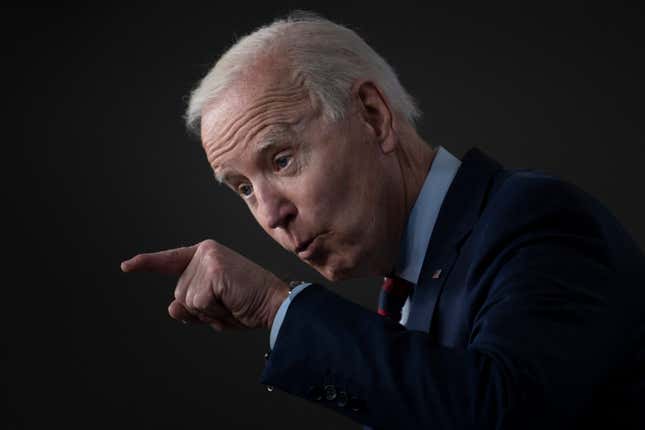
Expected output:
(375, 112)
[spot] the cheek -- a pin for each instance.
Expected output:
(342, 187)
(339, 192)
(344, 202)
(319, 196)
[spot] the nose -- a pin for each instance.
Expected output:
(274, 208)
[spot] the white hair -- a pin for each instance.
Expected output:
(327, 56)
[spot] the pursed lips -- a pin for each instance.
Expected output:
(307, 249)
(303, 245)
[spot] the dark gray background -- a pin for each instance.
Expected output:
(99, 167)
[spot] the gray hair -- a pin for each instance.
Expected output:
(328, 56)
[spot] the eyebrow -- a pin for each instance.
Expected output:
(277, 135)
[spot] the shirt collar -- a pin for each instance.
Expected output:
(416, 236)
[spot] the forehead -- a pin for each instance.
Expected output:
(254, 117)
(272, 137)
(252, 94)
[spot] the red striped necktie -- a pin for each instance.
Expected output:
(394, 292)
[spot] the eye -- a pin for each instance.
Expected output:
(244, 189)
(282, 161)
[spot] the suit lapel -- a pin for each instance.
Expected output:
(459, 211)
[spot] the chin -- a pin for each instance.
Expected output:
(338, 272)
(335, 276)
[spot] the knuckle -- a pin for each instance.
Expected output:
(201, 302)
(208, 244)
(211, 270)
(211, 263)
(188, 300)
(176, 311)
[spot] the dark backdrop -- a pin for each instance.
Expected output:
(99, 167)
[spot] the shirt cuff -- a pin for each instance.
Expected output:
(282, 311)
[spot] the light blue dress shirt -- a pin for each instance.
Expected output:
(416, 235)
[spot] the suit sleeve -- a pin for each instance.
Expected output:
(546, 334)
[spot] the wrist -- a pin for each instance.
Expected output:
(280, 294)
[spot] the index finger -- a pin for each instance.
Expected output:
(168, 262)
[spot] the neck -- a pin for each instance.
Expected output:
(413, 160)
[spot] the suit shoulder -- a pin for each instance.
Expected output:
(528, 199)
(524, 190)
(529, 182)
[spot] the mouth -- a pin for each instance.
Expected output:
(303, 245)
(307, 248)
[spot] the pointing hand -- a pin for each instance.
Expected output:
(216, 285)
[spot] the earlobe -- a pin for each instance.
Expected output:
(376, 114)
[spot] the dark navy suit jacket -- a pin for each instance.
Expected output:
(536, 321)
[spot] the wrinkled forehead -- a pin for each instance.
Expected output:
(250, 103)
(269, 140)
(246, 122)
(260, 88)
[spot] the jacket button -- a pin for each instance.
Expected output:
(315, 393)
(267, 355)
(355, 404)
(330, 392)
(342, 399)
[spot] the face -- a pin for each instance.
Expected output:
(313, 186)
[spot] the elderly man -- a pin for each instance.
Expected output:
(511, 299)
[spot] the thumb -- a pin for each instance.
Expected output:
(168, 262)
